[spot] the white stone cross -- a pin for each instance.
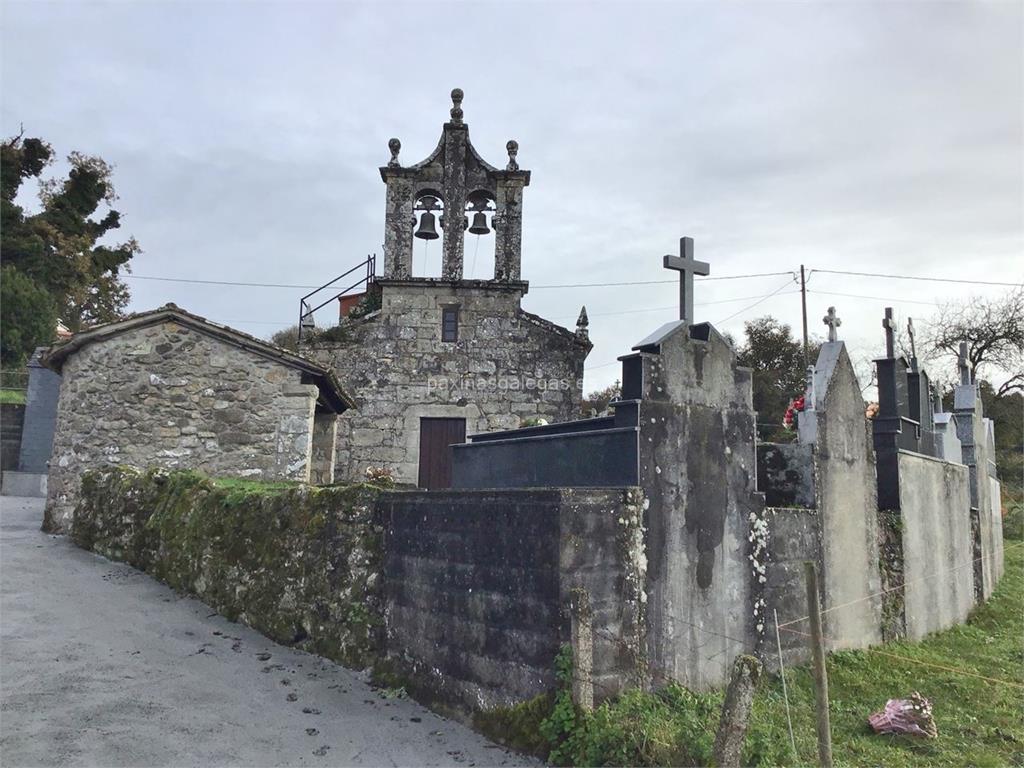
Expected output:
(687, 267)
(833, 322)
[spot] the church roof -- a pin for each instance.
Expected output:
(325, 380)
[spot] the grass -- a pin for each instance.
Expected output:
(12, 396)
(980, 721)
(254, 486)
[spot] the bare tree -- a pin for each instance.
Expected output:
(994, 332)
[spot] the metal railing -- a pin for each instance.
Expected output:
(306, 312)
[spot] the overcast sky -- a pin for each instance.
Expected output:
(246, 137)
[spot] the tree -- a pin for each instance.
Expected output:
(287, 338)
(597, 401)
(779, 371)
(28, 317)
(994, 332)
(59, 247)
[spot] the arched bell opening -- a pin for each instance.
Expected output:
(427, 223)
(478, 259)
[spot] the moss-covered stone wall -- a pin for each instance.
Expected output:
(299, 564)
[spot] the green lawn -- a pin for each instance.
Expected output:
(12, 396)
(980, 722)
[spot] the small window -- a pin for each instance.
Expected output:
(450, 324)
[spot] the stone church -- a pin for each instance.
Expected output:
(438, 358)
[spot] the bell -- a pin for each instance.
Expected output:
(427, 230)
(479, 225)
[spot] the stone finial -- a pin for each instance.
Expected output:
(913, 347)
(513, 149)
(395, 146)
(457, 106)
(582, 323)
(833, 322)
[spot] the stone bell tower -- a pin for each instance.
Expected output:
(454, 182)
(433, 360)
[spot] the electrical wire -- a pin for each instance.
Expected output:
(762, 299)
(241, 284)
(872, 298)
(910, 277)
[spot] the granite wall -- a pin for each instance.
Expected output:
(301, 565)
(507, 366)
(167, 395)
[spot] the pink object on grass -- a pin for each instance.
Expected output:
(909, 717)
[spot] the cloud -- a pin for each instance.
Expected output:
(246, 139)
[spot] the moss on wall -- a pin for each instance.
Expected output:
(890, 567)
(301, 565)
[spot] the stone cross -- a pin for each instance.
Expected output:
(913, 348)
(833, 322)
(965, 371)
(687, 267)
(890, 326)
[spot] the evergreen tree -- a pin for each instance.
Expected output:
(53, 259)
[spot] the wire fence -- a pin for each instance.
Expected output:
(16, 379)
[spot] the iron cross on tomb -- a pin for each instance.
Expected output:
(913, 347)
(889, 324)
(687, 267)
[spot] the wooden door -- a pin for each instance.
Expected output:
(436, 435)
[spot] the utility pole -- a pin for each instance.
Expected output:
(803, 302)
(820, 673)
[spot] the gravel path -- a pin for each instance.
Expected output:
(101, 665)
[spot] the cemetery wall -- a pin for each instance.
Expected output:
(785, 474)
(847, 503)
(698, 470)
(992, 546)
(167, 395)
(978, 453)
(479, 587)
(793, 538)
(937, 545)
(507, 366)
(299, 565)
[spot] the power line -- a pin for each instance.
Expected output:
(734, 314)
(241, 284)
(910, 277)
(658, 282)
(873, 298)
(661, 309)
(762, 299)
